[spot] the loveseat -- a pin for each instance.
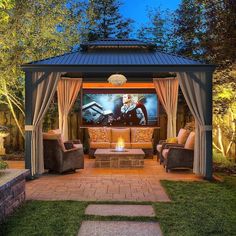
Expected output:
(106, 137)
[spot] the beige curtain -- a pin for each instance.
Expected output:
(167, 91)
(192, 86)
(67, 91)
(42, 97)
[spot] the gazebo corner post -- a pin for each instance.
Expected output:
(28, 120)
(209, 107)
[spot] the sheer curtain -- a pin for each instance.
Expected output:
(43, 95)
(167, 91)
(67, 91)
(192, 85)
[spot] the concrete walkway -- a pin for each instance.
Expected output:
(120, 210)
(119, 228)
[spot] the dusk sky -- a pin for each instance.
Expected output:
(136, 9)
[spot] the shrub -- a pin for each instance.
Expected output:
(3, 165)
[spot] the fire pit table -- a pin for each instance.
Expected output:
(111, 158)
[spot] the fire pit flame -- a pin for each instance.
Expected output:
(120, 145)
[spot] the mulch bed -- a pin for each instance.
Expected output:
(223, 169)
(13, 157)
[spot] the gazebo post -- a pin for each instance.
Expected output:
(208, 100)
(28, 119)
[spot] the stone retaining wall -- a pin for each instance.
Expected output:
(12, 190)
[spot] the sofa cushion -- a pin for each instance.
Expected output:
(141, 134)
(182, 136)
(190, 141)
(98, 134)
(124, 133)
(108, 130)
(100, 145)
(127, 145)
(142, 145)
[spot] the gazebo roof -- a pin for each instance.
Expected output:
(115, 52)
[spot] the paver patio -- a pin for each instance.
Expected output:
(93, 184)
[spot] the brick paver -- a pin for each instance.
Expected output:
(119, 228)
(119, 210)
(93, 184)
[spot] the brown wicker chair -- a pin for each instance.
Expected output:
(179, 157)
(61, 157)
(180, 141)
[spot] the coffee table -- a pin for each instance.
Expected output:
(109, 158)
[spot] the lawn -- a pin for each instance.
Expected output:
(197, 208)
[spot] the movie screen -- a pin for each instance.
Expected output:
(119, 109)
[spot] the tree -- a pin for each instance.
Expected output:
(155, 30)
(103, 20)
(219, 22)
(29, 31)
(188, 29)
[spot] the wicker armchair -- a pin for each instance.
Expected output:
(179, 157)
(179, 142)
(61, 157)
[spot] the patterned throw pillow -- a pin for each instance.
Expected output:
(98, 135)
(143, 135)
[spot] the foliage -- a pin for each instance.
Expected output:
(3, 164)
(103, 20)
(29, 31)
(155, 29)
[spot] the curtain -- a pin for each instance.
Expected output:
(67, 91)
(42, 98)
(167, 91)
(192, 85)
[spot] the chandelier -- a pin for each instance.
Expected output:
(117, 79)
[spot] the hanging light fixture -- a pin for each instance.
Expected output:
(117, 79)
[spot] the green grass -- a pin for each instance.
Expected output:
(197, 208)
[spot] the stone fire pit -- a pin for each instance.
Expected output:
(111, 158)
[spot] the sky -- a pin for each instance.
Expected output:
(136, 9)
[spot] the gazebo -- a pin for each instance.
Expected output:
(139, 62)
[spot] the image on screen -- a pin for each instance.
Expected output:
(119, 109)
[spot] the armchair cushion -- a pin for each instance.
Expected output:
(165, 152)
(182, 136)
(159, 147)
(55, 136)
(190, 141)
(172, 140)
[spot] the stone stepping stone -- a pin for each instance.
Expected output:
(119, 210)
(119, 228)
